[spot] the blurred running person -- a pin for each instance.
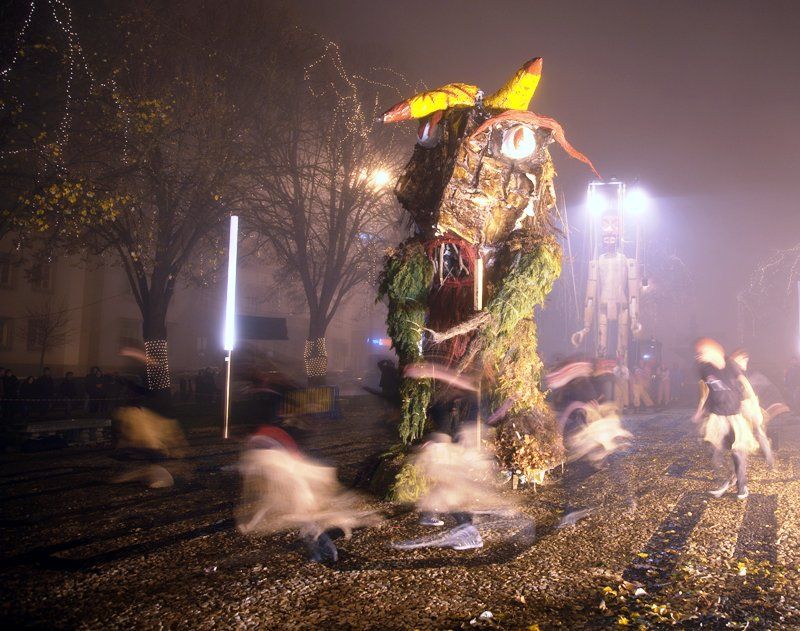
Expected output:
(641, 380)
(284, 490)
(664, 386)
(751, 406)
(622, 385)
(720, 405)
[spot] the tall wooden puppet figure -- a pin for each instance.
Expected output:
(613, 290)
(479, 188)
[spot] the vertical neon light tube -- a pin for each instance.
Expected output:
(229, 332)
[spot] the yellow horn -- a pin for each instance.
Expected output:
(516, 94)
(426, 103)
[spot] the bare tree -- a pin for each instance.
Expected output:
(766, 305)
(153, 165)
(321, 191)
(48, 327)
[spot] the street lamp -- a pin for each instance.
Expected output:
(380, 178)
(637, 201)
(596, 201)
(229, 331)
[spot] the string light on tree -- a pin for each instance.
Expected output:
(19, 41)
(315, 357)
(157, 365)
(61, 14)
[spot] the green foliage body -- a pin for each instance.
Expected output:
(405, 282)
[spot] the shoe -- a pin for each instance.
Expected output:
(466, 537)
(322, 549)
(721, 490)
(573, 517)
(430, 520)
(742, 495)
(463, 537)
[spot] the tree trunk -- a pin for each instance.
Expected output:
(154, 333)
(315, 354)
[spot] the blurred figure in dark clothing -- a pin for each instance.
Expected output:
(603, 379)
(639, 388)
(450, 413)
(113, 387)
(723, 389)
(678, 379)
(206, 388)
(185, 388)
(199, 387)
(390, 380)
(664, 391)
(753, 405)
(94, 389)
(107, 388)
(284, 490)
(27, 392)
(68, 392)
(572, 381)
(574, 386)
(622, 385)
(45, 389)
(10, 391)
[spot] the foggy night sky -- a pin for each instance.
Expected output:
(699, 99)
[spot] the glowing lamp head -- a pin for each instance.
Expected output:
(636, 201)
(380, 178)
(597, 202)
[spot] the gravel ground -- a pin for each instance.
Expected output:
(657, 551)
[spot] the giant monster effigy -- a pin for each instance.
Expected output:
(463, 289)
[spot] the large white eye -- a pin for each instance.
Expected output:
(430, 132)
(518, 142)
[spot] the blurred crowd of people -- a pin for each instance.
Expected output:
(285, 489)
(649, 385)
(201, 387)
(653, 385)
(97, 393)
(23, 398)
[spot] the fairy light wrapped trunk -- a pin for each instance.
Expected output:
(479, 188)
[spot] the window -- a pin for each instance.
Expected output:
(42, 276)
(6, 330)
(6, 272)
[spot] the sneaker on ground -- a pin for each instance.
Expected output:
(742, 495)
(721, 490)
(463, 537)
(466, 537)
(573, 517)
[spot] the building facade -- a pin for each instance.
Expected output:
(93, 311)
